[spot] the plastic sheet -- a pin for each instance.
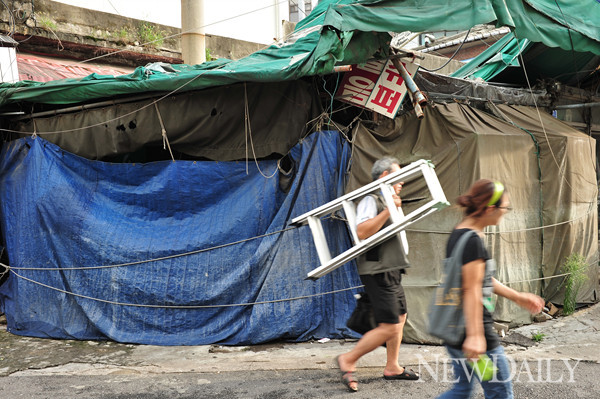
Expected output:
(67, 215)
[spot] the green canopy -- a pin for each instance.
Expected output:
(494, 60)
(502, 62)
(337, 32)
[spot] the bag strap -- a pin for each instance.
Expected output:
(461, 244)
(456, 257)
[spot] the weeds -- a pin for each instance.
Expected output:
(209, 56)
(46, 23)
(150, 35)
(576, 266)
(537, 336)
(122, 33)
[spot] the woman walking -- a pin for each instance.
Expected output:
(484, 204)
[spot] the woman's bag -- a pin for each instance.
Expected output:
(446, 317)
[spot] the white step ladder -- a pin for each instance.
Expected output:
(399, 221)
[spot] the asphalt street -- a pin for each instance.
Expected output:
(565, 364)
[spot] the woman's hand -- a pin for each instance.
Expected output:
(533, 303)
(474, 346)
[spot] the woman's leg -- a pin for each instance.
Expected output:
(500, 386)
(462, 375)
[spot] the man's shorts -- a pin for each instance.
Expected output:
(386, 295)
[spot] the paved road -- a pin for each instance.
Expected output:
(291, 384)
(566, 364)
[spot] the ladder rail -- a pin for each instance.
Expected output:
(336, 204)
(399, 220)
(363, 247)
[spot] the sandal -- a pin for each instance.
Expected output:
(405, 375)
(348, 377)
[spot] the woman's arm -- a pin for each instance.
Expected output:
(533, 303)
(472, 285)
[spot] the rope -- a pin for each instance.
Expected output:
(248, 133)
(537, 153)
(506, 283)
(237, 304)
(164, 132)
(184, 306)
(561, 171)
(155, 259)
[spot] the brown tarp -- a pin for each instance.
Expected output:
(548, 169)
(225, 123)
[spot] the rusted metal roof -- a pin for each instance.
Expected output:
(44, 69)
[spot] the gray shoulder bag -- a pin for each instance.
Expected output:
(446, 318)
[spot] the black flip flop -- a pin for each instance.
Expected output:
(405, 375)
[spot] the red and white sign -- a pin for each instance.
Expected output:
(376, 85)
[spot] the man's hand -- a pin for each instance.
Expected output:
(398, 187)
(397, 200)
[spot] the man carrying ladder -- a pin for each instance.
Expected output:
(380, 270)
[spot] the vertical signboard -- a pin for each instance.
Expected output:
(376, 85)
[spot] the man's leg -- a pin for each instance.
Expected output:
(373, 339)
(383, 296)
(392, 367)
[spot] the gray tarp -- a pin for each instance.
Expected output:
(465, 144)
(210, 123)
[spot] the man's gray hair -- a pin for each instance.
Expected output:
(382, 165)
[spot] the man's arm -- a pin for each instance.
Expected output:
(371, 226)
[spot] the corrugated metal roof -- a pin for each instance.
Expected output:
(44, 69)
(7, 41)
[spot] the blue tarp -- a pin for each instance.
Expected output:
(65, 216)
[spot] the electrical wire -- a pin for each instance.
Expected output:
(188, 31)
(561, 170)
(148, 105)
(11, 19)
(248, 134)
(114, 8)
(453, 55)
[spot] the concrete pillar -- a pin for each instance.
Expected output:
(277, 19)
(193, 47)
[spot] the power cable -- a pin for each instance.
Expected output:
(453, 55)
(114, 8)
(151, 104)
(188, 31)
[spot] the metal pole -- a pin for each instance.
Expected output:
(583, 105)
(193, 47)
(415, 94)
(410, 84)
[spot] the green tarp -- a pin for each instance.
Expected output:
(495, 59)
(541, 62)
(337, 32)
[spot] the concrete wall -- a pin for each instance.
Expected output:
(78, 33)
